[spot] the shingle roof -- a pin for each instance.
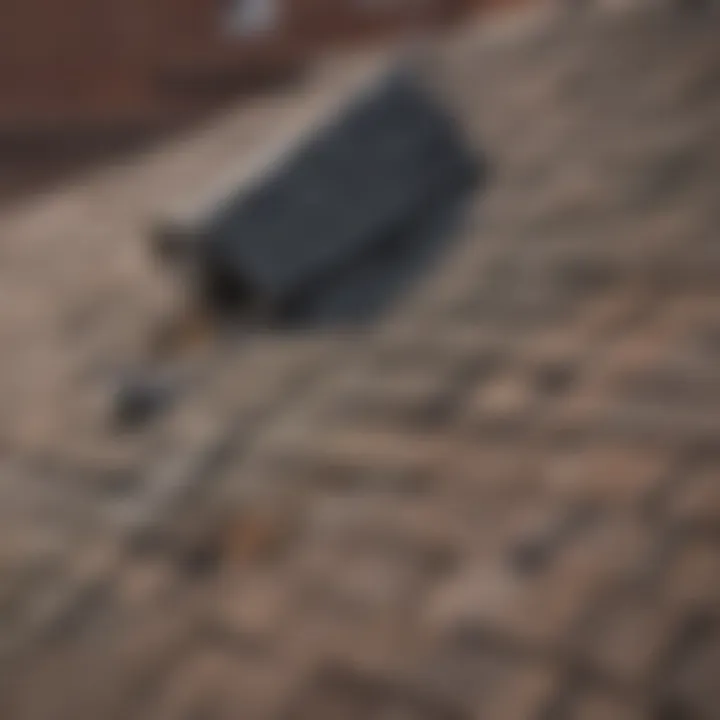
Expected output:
(501, 502)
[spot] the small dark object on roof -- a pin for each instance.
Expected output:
(353, 184)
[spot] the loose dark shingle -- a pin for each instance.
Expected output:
(368, 172)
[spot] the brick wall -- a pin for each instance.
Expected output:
(132, 60)
(82, 79)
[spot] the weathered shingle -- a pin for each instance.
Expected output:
(378, 163)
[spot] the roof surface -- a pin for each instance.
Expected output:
(501, 502)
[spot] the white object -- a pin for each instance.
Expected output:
(251, 17)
